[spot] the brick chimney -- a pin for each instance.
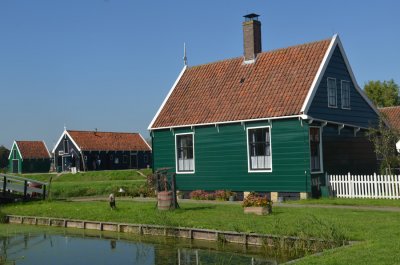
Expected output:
(251, 36)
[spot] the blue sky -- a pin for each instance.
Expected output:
(108, 64)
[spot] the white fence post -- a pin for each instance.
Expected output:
(365, 186)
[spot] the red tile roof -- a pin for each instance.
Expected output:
(33, 149)
(275, 85)
(109, 141)
(392, 114)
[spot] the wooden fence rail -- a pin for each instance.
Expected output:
(365, 186)
(14, 186)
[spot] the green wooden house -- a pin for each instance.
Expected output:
(29, 157)
(274, 121)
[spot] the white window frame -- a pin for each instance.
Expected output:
(328, 96)
(320, 150)
(176, 155)
(341, 85)
(249, 170)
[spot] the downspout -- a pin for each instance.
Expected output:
(83, 161)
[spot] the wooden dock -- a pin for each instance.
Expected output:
(15, 188)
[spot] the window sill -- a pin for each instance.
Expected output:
(185, 172)
(260, 171)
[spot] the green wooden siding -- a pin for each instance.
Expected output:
(348, 153)
(10, 166)
(36, 165)
(221, 157)
(359, 114)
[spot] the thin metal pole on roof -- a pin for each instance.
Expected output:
(184, 55)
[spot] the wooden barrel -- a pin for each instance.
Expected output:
(164, 199)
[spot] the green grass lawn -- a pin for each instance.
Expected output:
(103, 175)
(378, 232)
(94, 183)
(352, 202)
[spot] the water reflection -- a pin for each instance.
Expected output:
(102, 248)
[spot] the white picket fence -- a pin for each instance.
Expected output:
(365, 186)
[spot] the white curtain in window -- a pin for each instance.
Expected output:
(185, 164)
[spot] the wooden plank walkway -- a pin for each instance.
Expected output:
(15, 187)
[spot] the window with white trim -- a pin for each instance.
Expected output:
(14, 154)
(259, 149)
(184, 153)
(345, 94)
(315, 149)
(332, 92)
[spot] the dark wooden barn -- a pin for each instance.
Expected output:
(93, 150)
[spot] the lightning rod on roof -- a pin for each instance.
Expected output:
(184, 54)
(65, 127)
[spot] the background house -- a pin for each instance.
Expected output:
(392, 115)
(29, 157)
(93, 150)
(272, 121)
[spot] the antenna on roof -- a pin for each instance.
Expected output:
(184, 54)
(65, 127)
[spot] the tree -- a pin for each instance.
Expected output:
(383, 94)
(384, 140)
(4, 152)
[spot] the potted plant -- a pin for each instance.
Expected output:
(257, 204)
(230, 195)
(224, 195)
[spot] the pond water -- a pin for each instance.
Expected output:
(32, 245)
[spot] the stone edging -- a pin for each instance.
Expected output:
(157, 230)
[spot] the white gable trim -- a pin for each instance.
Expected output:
(167, 97)
(317, 80)
(61, 137)
(15, 143)
(144, 140)
(319, 75)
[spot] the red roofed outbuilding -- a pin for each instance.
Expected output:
(94, 150)
(29, 157)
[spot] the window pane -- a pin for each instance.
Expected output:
(332, 93)
(346, 94)
(259, 149)
(185, 152)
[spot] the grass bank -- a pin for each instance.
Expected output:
(379, 232)
(94, 183)
(350, 202)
